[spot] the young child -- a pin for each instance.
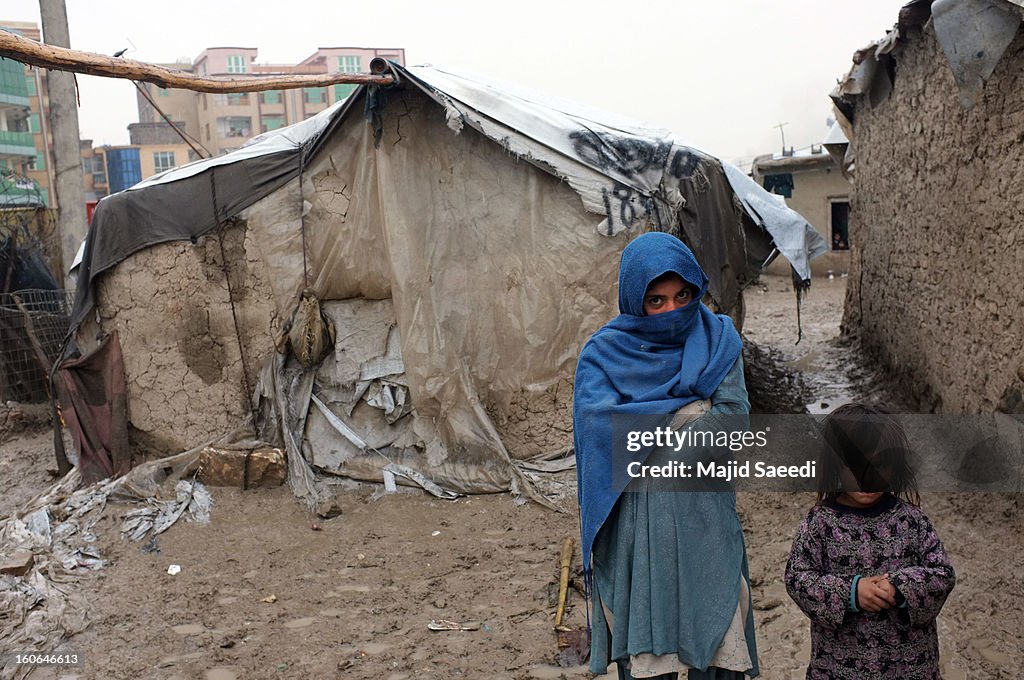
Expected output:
(866, 565)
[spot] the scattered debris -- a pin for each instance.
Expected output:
(315, 527)
(18, 564)
(160, 515)
(574, 645)
(444, 624)
(269, 599)
(174, 569)
(329, 509)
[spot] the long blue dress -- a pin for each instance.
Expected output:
(668, 566)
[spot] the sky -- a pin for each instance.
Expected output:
(721, 74)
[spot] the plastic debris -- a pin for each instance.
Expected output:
(174, 569)
(444, 624)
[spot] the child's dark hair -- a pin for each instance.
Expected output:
(867, 441)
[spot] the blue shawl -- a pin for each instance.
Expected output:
(643, 365)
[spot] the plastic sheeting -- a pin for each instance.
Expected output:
(625, 170)
(974, 34)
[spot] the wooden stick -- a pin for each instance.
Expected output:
(563, 580)
(62, 59)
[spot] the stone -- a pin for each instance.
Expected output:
(224, 467)
(329, 509)
(18, 564)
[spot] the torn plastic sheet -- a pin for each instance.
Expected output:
(428, 485)
(191, 497)
(974, 34)
(42, 609)
(618, 167)
(794, 237)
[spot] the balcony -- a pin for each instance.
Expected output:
(19, 191)
(17, 144)
(13, 87)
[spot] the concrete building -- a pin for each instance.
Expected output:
(25, 140)
(814, 186)
(223, 122)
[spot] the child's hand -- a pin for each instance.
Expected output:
(875, 593)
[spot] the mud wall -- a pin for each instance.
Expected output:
(171, 309)
(937, 229)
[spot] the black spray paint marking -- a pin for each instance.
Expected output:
(683, 164)
(626, 155)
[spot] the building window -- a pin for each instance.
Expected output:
(234, 126)
(33, 122)
(314, 95)
(273, 97)
(343, 90)
(350, 64)
(30, 82)
(272, 122)
(840, 221)
(163, 160)
(236, 63)
(233, 99)
(781, 184)
(37, 163)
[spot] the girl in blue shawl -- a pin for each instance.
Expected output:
(668, 570)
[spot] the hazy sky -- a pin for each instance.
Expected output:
(720, 73)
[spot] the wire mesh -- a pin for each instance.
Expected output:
(33, 325)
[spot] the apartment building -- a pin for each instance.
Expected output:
(25, 175)
(223, 122)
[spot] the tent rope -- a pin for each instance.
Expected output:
(221, 229)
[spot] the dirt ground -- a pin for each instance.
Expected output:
(354, 599)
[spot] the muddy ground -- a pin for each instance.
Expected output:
(354, 599)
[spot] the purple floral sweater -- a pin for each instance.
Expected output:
(833, 545)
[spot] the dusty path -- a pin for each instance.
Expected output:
(354, 599)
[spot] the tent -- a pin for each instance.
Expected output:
(463, 235)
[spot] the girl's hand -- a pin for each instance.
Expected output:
(875, 593)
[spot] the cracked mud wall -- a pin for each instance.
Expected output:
(170, 306)
(937, 224)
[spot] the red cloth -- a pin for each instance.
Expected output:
(93, 394)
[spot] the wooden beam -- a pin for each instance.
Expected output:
(27, 51)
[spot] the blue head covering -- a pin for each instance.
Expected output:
(643, 365)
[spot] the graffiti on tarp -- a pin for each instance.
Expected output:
(625, 155)
(684, 163)
(632, 157)
(623, 207)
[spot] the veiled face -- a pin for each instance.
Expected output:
(667, 293)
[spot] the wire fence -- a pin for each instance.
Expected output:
(33, 325)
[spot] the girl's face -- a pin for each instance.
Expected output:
(666, 295)
(852, 492)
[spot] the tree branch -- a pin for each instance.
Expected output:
(54, 58)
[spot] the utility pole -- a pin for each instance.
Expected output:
(780, 126)
(67, 156)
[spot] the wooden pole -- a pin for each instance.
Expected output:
(61, 59)
(563, 579)
(68, 188)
